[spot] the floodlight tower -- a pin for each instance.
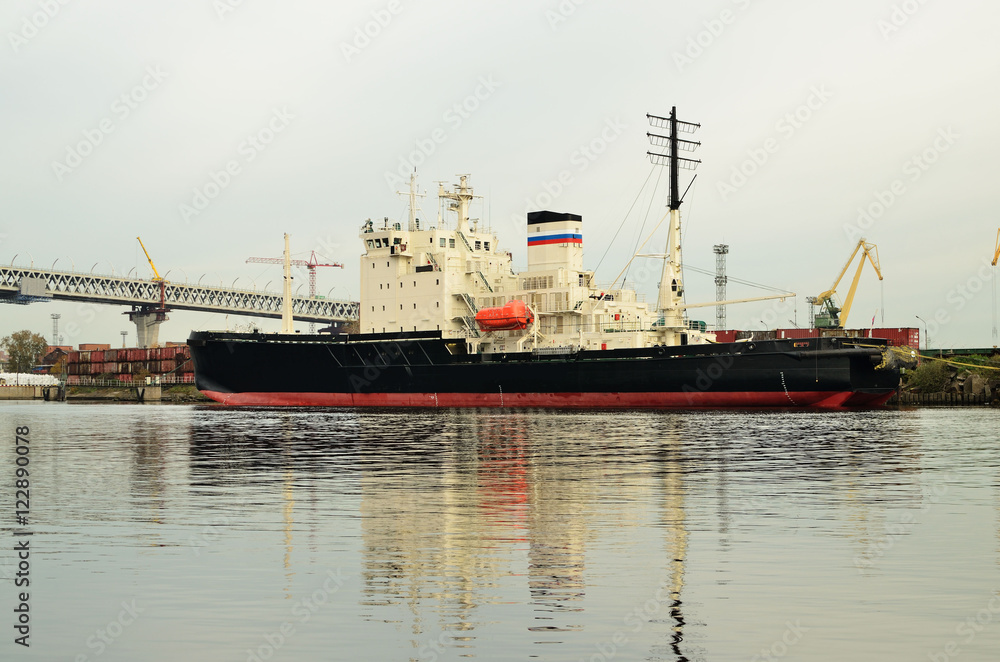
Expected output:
(55, 328)
(721, 250)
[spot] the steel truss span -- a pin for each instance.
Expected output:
(90, 288)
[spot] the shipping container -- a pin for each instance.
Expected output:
(92, 346)
(84, 356)
(725, 336)
(797, 333)
(904, 336)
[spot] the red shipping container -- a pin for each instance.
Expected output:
(899, 336)
(725, 336)
(798, 333)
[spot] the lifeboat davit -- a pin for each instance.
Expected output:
(512, 316)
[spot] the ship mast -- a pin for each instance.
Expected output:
(461, 197)
(413, 195)
(670, 302)
(286, 297)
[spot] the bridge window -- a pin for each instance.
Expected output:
(479, 245)
(486, 246)
(443, 244)
(451, 243)
(371, 244)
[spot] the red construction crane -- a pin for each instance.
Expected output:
(309, 264)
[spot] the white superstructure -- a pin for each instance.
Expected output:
(427, 277)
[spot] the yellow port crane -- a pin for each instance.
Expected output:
(831, 316)
(156, 274)
(996, 255)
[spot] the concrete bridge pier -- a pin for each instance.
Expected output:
(147, 322)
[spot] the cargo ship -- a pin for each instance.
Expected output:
(446, 321)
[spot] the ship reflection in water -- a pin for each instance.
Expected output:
(509, 534)
(571, 530)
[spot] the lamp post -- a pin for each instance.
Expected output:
(926, 339)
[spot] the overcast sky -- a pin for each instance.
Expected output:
(118, 116)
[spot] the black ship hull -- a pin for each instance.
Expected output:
(425, 370)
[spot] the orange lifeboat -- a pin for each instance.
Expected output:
(514, 315)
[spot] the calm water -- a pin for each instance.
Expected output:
(200, 533)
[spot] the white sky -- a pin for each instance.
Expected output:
(550, 77)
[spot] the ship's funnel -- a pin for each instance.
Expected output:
(554, 241)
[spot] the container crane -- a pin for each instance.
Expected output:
(831, 316)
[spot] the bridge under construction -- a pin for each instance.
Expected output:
(151, 300)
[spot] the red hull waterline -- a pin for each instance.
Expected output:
(813, 399)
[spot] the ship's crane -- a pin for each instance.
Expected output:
(836, 317)
(309, 264)
(996, 254)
